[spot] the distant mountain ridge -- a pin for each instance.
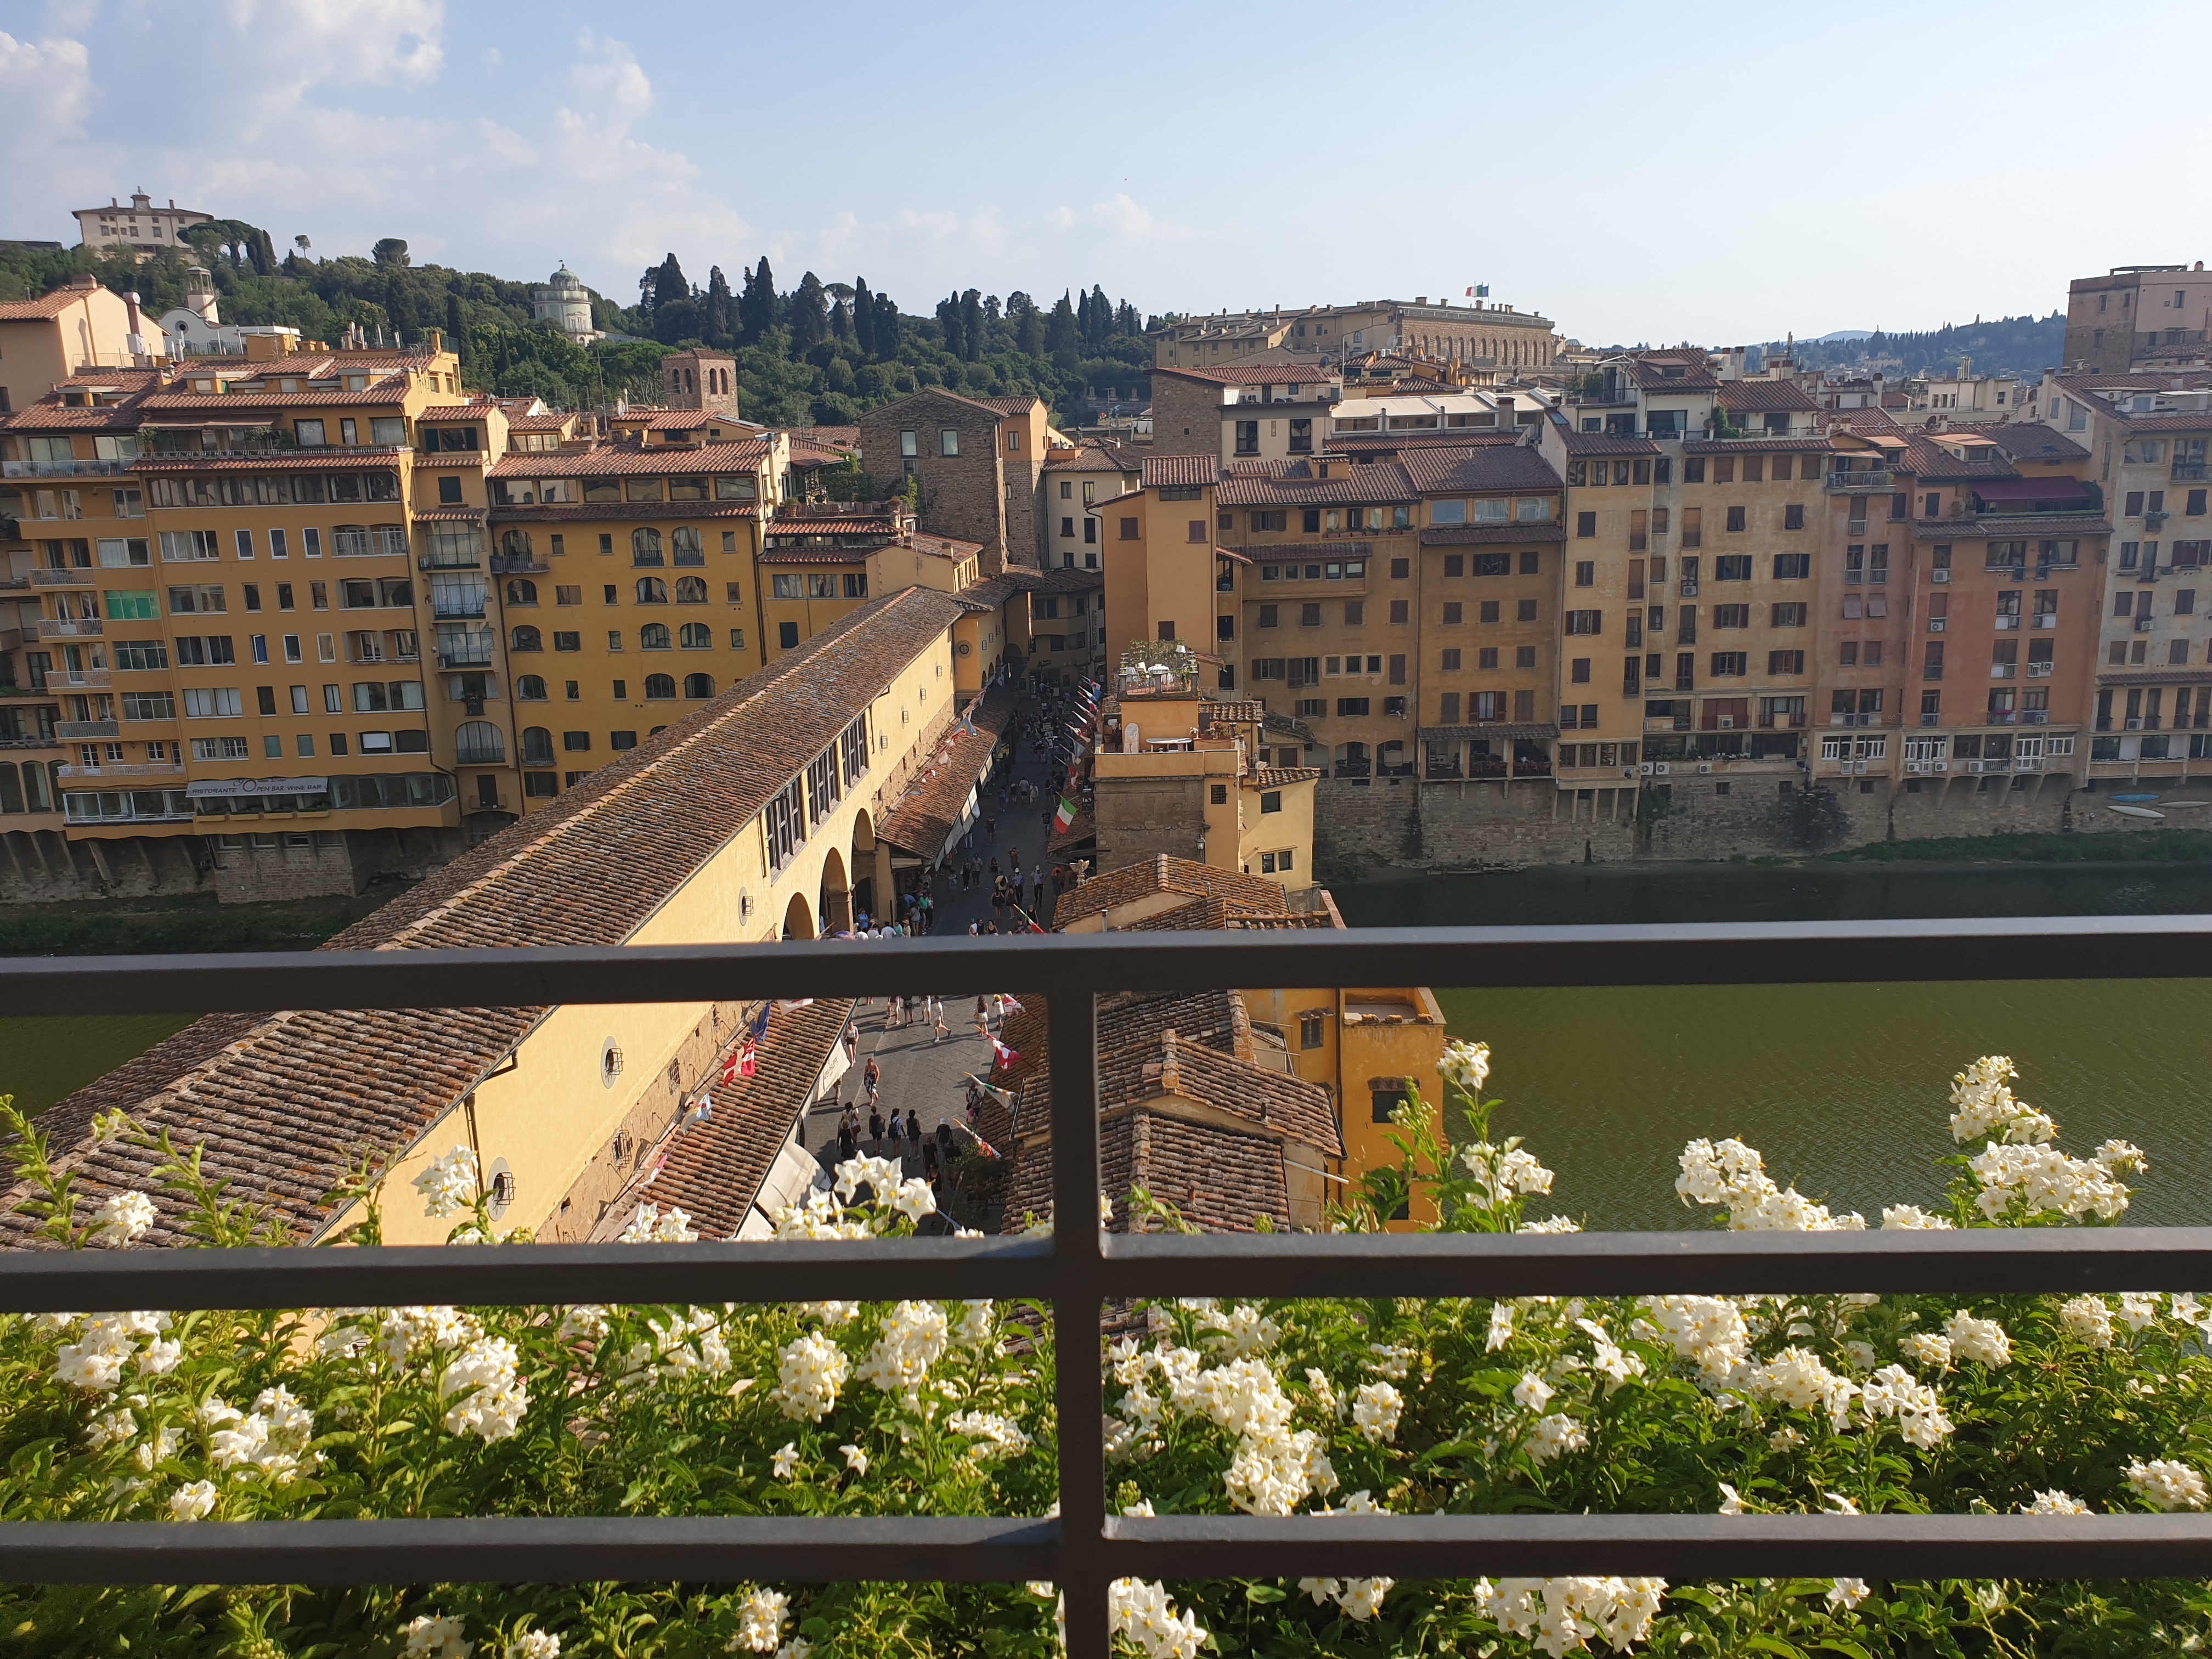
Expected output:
(2023, 346)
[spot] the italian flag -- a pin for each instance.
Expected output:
(1065, 816)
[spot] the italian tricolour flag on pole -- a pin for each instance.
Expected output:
(1065, 816)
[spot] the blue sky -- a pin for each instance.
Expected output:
(1639, 172)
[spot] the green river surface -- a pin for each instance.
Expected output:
(1843, 1087)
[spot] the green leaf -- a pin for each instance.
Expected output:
(1772, 1644)
(1837, 1645)
(1263, 1593)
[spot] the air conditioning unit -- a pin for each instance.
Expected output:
(1705, 766)
(1643, 768)
(1661, 769)
(1977, 766)
(1938, 575)
(1935, 624)
(2144, 624)
(1916, 766)
(1939, 766)
(1688, 590)
(2135, 725)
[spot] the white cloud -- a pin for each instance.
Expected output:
(609, 81)
(343, 42)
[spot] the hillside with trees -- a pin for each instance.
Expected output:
(817, 354)
(2024, 346)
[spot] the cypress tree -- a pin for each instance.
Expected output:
(456, 336)
(763, 311)
(887, 326)
(810, 314)
(971, 325)
(721, 310)
(863, 316)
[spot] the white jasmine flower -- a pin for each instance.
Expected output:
(1892, 1392)
(1910, 1218)
(1557, 1224)
(652, 1226)
(109, 1429)
(1731, 1500)
(997, 1437)
(1797, 1378)
(978, 1327)
(760, 1622)
(1558, 1615)
(1982, 1340)
(855, 1459)
(193, 1501)
(1142, 1507)
(1362, 1598)
(1838, 1504)
(1730, 1173)
(878, 1174)
(586, 1319)
(1375, 1412)
(1501, 1326)
(911, 1340)
(158, 1448)
(2138, 1309)
(809, 1373)
(786, 1460)
(1389, 1360)
(2055, 1502)
(429, 1638)
(2169, 1484)
(493, 1397)
(122, 1219)
(534, 1644)
(1708, 1331)
(913, 1199)
(2086, 1319)
(1861, 1354)
(1465, 1066)
(1144, 1614)
(1531, 1393)
(1554, 1435)
(1845, 1594)
(1927, 1349)
(449, 1185)
(1241, 1331)
(1324, 1392)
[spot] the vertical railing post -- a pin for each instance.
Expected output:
(1079, 1401)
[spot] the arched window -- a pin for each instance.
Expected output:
(691, 589)
(659, 688)
(524, 638)
(698, 687)
(645, 545)
(653, 636)
(684, 545)
(536, 746)
(479, 743)
(516, 544)
(697, 636)
(529, 688)
(521, 590)
(651, 590)
(11, 792)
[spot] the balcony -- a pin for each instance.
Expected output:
(380, 542)
(453, 607)
(73, 627)
(466, 654)
(2188, 472)
(1864, 483)
(61, 579)
(29, 741)
(120, 769)
(64, 469)
(521, 564)
(2035, 717)
(76, 730)
(483, 754)
(76, 679)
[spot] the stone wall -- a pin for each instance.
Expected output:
(1186, 416)
(1407, 822)
(963, 496)
(1138, 817)
(42, 867)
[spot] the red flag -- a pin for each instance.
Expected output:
(748, 1058)
(1006, 1056)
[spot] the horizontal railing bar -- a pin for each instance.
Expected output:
(795, 1270)
(1994, 1261)
(1981, 1261)
(530, 1550)
(1831, 952)
(1679, 1547)
(722, 1549)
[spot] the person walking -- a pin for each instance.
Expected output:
(913, 1128)
(897, 1134)
(851, 1042)
(848, 1142)
(875, 1126)
(983, 1018)
(943, 1029)
(871, 1080)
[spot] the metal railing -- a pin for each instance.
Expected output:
(1076, 1268)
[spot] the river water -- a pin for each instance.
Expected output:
(1842, 1087)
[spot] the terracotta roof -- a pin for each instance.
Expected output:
(944, 547)
(1096, 455)
(1275, 373)
(1179, 469)
(920, 819)
(834, 437)
(2199, 422)
(1334, 550)
(435, 515)
(283, 1104)
(1295, 484)
(1502, 729)
(627, 459)
(989, 592)
(1231, 713)
(2029, 440)
(1020, 406)
(1763, 398)
(1162, 874)
(547, 422)
(1275, 777)
(1608, 443)
(621, 512)
(1809, 440)
(1484, 535)
(46, 306)
(456, 413)
(787, 524)
(797, 556)
(332, 458)
(1217, 1179)
(713, 1168)
(2138, 380)
(1926, 459)
(385, 393)
(1859, 420)
(1064, 579)
(1649, 376)
(1450, 472)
